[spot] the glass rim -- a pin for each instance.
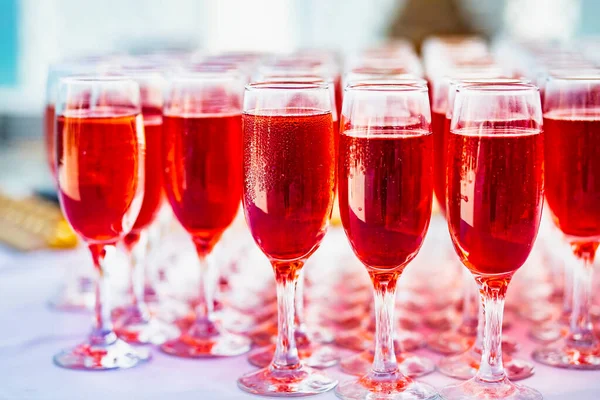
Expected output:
(488, 81)
(299, 78)
(96, 79)
(388, 85)
(286, 85)
(503, 88)
(576, 76)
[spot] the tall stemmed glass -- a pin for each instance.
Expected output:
(572, 126)
(135, 323)
(100, 149)
(310, 350)
(494, 198)
(289, 185)
(202, 161)
(465, 364)
(77, 293)
(385, 190)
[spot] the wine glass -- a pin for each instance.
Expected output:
(135, 323)
(202, 163)
(289, 186)
(100, 149)
(385, 194)
(571, 120)
(312, 353)
(77, 291)
(494, 198)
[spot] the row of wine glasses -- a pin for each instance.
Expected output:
(131, 138)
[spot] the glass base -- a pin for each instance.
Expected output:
(466, 365)
(264, 333)
(410, 365)
(207, 340)
(396, 387)
(441, 321)
(302, 381)
(452, 342)
(566, 354)
(135, 326)
(362, 340)
(315, 356)
(113, 354)
(356, 340)
(475, 388)
(77, 296)
(548, 332)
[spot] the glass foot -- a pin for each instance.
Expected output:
(138, 327)
(77, 296)
(357, 340)
(451, 342)
(475, 388)
(548, 332)
(264, 333)
(302, 381)
(113, 354)
(362, 340)
(395, 387)
(466, 365)
(207, 341)
(315, 356)
(410, 365)
(566, 354)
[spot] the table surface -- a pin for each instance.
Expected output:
(31, 333)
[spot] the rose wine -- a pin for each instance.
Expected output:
(494, 184)
(153, 171)
(202, 155)
(438, 125)
(289, 177)
(385, 193)
(50, 137)
(99, 155)
(572, 151)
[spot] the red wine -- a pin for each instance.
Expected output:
(153, 171)
(202, 156)
(99, 155)
(495, 195)
(572, 151)
(289, 177)
(438, 126)
(385, 193)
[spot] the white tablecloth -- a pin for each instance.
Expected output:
(31, 333)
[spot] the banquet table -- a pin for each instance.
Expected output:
(31, 333)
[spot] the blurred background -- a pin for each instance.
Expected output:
(36, 33)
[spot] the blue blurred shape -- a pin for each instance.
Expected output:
(8, 42)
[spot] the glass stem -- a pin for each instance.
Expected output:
(384, 285)
(582, 333)
(138, 258)
(286, 353)
(471, 304)
(492, 292)
(204, 325)
(300, 322)
(102, 332)
(569, 277)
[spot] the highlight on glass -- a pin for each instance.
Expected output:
(385, 194)
(100, 152)
(289, 186)
(494, 197)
